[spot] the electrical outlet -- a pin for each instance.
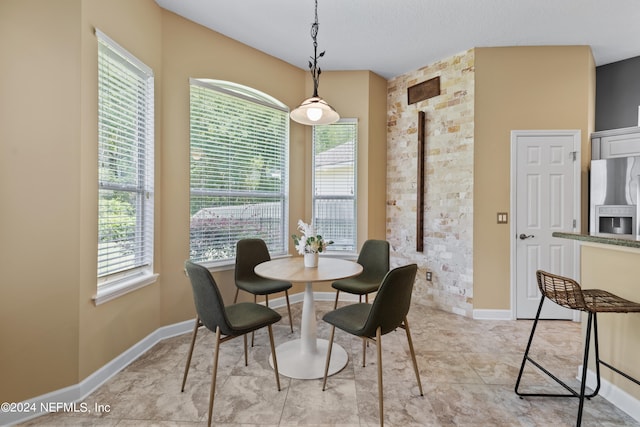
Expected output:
(428, 276)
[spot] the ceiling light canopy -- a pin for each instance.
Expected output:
(315, 110)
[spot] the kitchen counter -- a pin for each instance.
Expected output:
(605, 239)
(612, 262)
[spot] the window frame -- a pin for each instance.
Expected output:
(119, 281)
(243, 94)
(330, 249)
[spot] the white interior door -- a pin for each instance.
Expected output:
(546, 180)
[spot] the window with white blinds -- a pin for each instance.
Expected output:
(239, 139)
(334, 183)
(125, 164)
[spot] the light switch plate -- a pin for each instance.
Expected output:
(503, 218)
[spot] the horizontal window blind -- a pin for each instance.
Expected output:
(238, 172)
(125, 162)
(334, 182)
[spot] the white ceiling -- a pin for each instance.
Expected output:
(392, 37)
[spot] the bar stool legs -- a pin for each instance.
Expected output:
(581, 395)
(585, 364)
(568, 293)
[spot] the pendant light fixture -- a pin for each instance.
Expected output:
(315, 110)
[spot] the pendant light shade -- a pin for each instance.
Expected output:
(315, 110)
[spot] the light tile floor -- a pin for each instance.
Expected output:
(468, 370)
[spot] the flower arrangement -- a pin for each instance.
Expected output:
(309, 242)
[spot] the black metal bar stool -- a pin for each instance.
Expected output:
(567, 293)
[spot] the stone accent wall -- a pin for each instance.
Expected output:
(448, 213)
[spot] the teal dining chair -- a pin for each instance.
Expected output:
(371, 321)
(374, 259)
(249, 253)
(226, 322)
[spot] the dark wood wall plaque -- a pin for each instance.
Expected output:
(420, 178)
(425, 90)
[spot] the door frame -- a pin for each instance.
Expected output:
(577, 196)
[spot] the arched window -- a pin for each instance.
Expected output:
(239, 139)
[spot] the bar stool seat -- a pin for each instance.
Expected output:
(568, 293)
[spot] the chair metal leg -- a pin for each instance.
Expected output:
(526, 351)
(366, 341)
(212, 392)
(326, 366)
(597, 356)
(598, 361)
(413, 355)
(273, 352)
(286, 294)
(246, 357)
(335, 305)
(527, 358)
(253, 333)
(380, 396)
(585, 367)
(193, 342)
(365, 344)
(235, 299)
(581, 395)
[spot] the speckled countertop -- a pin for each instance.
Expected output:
(606, 239)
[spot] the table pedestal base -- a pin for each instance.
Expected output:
(305, 358)
(294, 363)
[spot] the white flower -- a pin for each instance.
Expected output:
(306, 229)
(310, 242)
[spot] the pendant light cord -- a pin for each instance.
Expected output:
(313, 66)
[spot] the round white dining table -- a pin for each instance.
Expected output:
(305, 358)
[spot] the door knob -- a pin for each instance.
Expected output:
(525, 236)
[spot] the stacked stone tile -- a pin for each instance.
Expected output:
(448, 212)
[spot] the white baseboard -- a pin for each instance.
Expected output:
(80, 391)
(492, 315)
(618, 397)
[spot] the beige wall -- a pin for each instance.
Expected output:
(519, 88)
(52, 334)
(39, 196)
(376, 159)
(107, 330)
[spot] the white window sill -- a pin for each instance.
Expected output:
(352, 256)
(214, 266)
(108, 291)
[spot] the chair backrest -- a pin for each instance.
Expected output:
(374, 258)
(249, 253)
(561, 290)
(207, 298)
(391, 305)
